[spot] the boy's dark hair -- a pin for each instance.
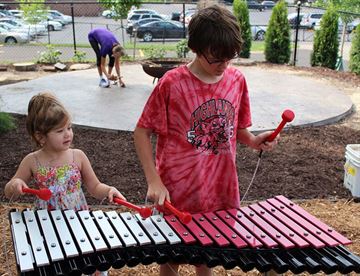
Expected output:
(215, 30)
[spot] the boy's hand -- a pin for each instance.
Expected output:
(157, 192)
(113, 192)
(262, 144)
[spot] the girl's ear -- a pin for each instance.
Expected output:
(40, 138)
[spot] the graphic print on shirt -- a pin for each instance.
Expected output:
(212, 126)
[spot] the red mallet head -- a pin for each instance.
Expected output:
(288, 115)
(185, 217)
(44, 194)
(145, 212)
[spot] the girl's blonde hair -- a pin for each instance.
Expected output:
(45, 113)
(119, 49)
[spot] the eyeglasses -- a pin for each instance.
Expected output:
(219, 60)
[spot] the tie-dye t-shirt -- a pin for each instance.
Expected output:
(196, 124)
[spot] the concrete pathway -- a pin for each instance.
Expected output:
(271, 91)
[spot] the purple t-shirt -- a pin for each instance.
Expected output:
(105, 38)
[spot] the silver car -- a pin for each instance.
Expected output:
(12, 37)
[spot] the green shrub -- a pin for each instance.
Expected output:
(79, 56)
(7, 122)
(241, 11)
(182, 48)
(277, 37)
(326, 44)
(155, 52)
(355, 52)
(50, 56)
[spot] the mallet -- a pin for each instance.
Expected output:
(144, 212)
(44, 193)
(184, 217)
(287, 117)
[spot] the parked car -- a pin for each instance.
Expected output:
(349, 27)
(16, 13)
(258, 32)
(141, 11)
(188, 14)
(108, 13)
(12, 37)
(160, 29)
(140, 16)
(18, 23)
(268, 4)
(5, 13)
(292, 19)
(253, 5)
(11, 28)
(309, 20)
(134, 25)
(58, 16)
(175, 16)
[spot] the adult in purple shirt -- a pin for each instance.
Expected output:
(105, 44)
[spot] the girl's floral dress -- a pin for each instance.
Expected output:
(65, 184)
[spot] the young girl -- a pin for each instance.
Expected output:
(199, 111)
(56, 165)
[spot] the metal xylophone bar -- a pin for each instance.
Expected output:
(273, 234)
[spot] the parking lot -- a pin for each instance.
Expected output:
(77, 35)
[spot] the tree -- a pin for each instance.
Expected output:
(241, 11)
(326, 44)
(277, 37)
(120, 9)
(347, 10)
(34, 12)
(355, 52)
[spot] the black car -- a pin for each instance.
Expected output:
(292, 18)
(254, 5)
(134, 25)
(161, 29)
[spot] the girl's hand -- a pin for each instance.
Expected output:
(16, 188)
(122, 84)
(113, 78)
(261, 143)
(157, 192)
(113, 192)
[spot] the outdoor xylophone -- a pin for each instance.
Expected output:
(273, 234)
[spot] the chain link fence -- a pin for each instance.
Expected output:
(82, 17)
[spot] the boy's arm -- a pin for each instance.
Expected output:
(13, 189)
(93, 185)
(156, 189)
(257, 142)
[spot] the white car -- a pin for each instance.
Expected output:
(12, 37)
(52, 25)
(18, 23)
(108, 13)
(141, 11)
(258, 32)
(17, 13)
(14, 29)
(58, 16)
(309, 20)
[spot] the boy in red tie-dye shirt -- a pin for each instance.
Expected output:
(198, 112)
